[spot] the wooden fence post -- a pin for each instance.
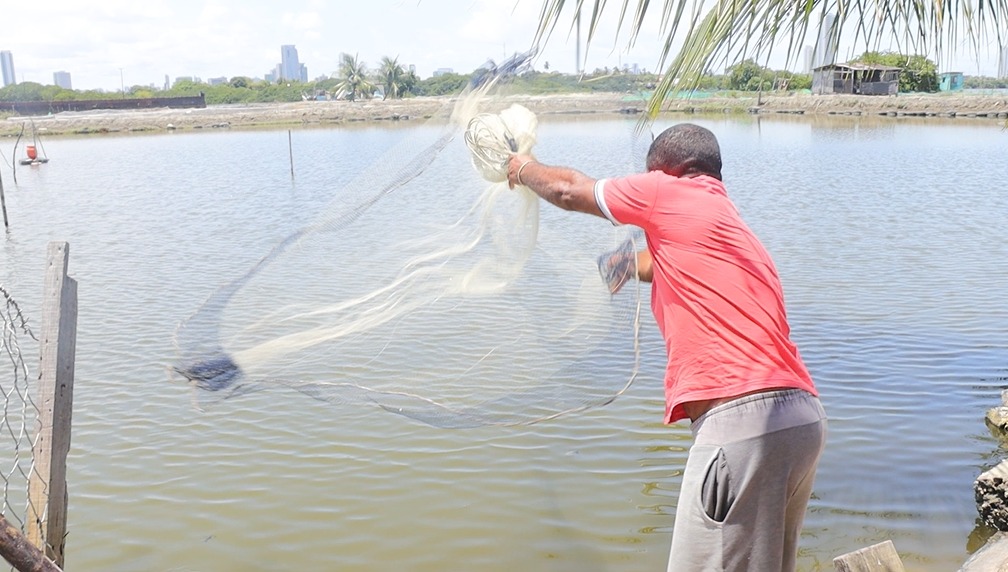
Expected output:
(47, 493)
(21, 554)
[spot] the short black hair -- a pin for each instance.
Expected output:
(685, 150)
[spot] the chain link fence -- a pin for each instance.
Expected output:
(19, 411)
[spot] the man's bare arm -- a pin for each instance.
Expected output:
(564, 187)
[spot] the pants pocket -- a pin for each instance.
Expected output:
(715, 493)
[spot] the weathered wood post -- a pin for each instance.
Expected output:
(21, 554)
(881, 557)
(47, 493)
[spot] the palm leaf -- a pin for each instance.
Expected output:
(729, 31)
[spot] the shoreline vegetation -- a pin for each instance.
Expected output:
(334, 113)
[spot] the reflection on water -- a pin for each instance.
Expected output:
(888, 235)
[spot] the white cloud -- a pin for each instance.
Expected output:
(301, 21)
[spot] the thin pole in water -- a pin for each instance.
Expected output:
(3, 204)
(14, 156)
(290, 151)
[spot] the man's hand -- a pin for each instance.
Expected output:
(618, 266)
(517, 165)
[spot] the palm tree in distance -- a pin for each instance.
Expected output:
(353, 78)
(729, 31)
(392, 77)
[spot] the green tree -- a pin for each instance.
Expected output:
(733, 30)
(353, 76)
(797, 81)
(444, 84)
(982, 82)
(410, 82)
(392, 77)
(917, 73)
(185, 87)
(25, 91)
(747, 75)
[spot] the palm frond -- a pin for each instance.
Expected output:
(697, 34)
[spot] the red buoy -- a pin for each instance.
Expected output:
(32, 154)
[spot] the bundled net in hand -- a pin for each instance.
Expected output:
(430, 290)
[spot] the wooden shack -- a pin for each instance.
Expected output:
(951, 81)
(861, 79)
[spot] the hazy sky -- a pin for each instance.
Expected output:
(149, 39)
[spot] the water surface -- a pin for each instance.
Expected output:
(889, 237)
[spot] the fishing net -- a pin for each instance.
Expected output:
(428, 288)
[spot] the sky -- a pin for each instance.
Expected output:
(107, 44)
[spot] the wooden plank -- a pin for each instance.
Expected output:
(47, 493)
(993, 557)
(21, 554)
(881, 557)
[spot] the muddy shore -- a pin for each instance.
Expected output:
(322, 113)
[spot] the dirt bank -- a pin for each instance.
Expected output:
(311, 113)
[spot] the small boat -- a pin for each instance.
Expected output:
(33, 157)
(35, 152)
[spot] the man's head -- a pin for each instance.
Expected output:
(685, 150)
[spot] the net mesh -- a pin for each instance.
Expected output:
(429, 289)
(19, 412)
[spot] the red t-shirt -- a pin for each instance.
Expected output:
(715, 293)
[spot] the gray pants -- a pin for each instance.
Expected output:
(747, 483)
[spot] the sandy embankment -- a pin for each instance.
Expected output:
(317, 113)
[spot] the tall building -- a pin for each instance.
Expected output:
(807, 59)
(290, 68)
(826, 45)
(7, 67)
(62, 79)
(1003, 62)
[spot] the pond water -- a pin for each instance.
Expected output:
(888, 235)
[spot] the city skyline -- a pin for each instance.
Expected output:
(126, 43)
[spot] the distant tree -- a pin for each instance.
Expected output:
(917, 73)
(747, 75)
(410, 82)
(799, 81)
(392, 77)
(25, 91)
(354, 83)
(444, 84)
(185, 87)
(983, 82)
(711, 82)
(240, 81)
